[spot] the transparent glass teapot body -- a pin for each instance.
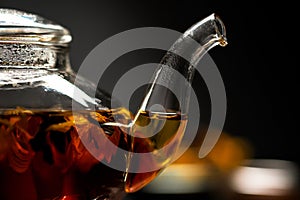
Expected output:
(50, 149)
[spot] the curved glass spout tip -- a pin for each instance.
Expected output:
(220, 29)
(208, 32)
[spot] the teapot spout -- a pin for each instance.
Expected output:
(183, 57)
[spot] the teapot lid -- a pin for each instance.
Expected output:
(20, 26)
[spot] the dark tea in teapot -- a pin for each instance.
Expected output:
(42, 154)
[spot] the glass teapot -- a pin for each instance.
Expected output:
(58, 144)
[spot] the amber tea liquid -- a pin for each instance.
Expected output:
(42, 155)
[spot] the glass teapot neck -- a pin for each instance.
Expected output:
(28, 55)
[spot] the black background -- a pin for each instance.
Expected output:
(258, 66)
